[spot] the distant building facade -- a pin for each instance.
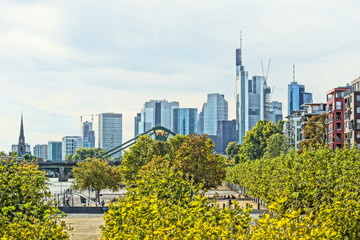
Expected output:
(110, 131)
(14, 148)
(297, 97)
(214, 110)
(137, 121)
(185, 121)
(352, 114)
(54, 153)
(200, 123)
(275, 113)
(70, 144)
(88, 135)
(226, 133)
(41, 151)
(157, 113)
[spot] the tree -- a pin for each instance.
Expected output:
(314, 132)
(195, 159)
(277, 144)
(165, 206)
(82, 154)
(232, 152)
(28, 157)
(96, 174)
(69, 158)
(26, 208)
(255, 140)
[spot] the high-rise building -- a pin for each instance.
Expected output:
(200, 124)
(157, 113)
(185, 121)
(69, 145)
(297, 97)
(110, 131)
(40, 151)
(275, 112)
(14, 148)
(88, 135)
(226, 133)
(292, 128)
(242, 97)
(137, 121)
(214, 110)
(54, 151)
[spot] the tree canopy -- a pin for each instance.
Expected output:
(26, 208)
(277, 144)
(96, 174)
(315, 132)
(165, 206)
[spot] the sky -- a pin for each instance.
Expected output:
(63, 59)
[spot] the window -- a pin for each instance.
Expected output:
(250, 86)
(254, 86)
(357, 134)
(340, 95)
(357, 109)
(338, 105)
(358, 98)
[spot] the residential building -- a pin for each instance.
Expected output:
(226, 133)
(40, 151)
(185, 121)
(137, 121)
(310, 110)
(54, 151)
(335, 117)
(297, 96)
(352, 114)
(214, 110)
(69, 145)
(88, 135)
(110, 131)
(157, 113)
(292, 128)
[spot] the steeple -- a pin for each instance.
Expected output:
(21, 147)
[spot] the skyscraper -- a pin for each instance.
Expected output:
(226, 133)
(200, 125)
(157, 113)
(275, 112)
(137, 121)
(185, 121)
(249, 98)
(110, 131)
(54, 151)
(40, 151)
(214, 110)
(297, 97)
(69, 145)
(88, 135)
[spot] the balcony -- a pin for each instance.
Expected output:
(338, 129)
(330, 119)
(329, 109)
(338, 139)
(357, 126)
(338, 118)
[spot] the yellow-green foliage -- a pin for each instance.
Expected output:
(26, 211)
(164, 206)
(312, 195)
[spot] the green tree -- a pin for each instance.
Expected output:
(82, 154)
(96, 174)
(277, 144)
(165, 206)
(26, 208)
(196, 160)
(28, 157)
(232, 152)
(314, 132)
(69, 158)
(255, 140)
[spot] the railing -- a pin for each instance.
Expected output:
(338, 118)
(338, 139)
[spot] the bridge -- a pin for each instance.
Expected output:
(161, 134)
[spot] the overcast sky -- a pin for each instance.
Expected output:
(62, 59)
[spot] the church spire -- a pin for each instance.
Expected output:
(21, 147)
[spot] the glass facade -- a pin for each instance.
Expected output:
(215, 109)
(110, 131)
(40, 151)
(54, 151)
(137, 121)
(88, 135)
(297, 97)
(185, 121)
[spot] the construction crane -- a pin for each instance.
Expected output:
(267, 73)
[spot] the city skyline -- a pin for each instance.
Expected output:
(59, 62)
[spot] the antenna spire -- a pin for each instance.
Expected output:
(293, 73)
(240, 39)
